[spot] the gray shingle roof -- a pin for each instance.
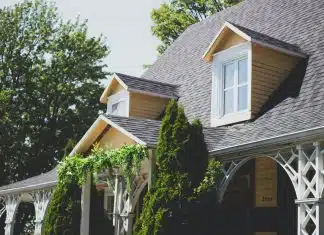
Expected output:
(156, 87)
(297, 105)
(145, 129)
(40, 181)
(269, 40)
(299, 102)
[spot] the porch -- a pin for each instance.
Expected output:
(277, 183)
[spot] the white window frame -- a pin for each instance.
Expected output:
(222, 58)
(116, 98)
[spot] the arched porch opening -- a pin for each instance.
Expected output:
(24, 216)
(25, 219)
(259, 199)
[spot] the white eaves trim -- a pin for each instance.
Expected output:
(84, 137)
(29, 187)
(294, 137)
(280, 49)
(122, 130)
(250, 39)
(103, 97)
(76, 149)
(231, 27)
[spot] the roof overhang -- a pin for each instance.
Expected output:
(109, 87)
(115, 78)
(97, 128)
(208, 55)
(267, 145)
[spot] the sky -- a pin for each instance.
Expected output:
(125, 23)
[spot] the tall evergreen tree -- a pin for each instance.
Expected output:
(182, 160)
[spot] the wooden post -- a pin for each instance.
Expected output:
(85, 207)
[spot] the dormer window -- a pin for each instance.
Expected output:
(118, 104)
(248, 67)
(231, 85)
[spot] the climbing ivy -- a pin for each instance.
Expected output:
(127, 160)
(64, 209)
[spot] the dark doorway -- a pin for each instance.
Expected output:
(241, 214)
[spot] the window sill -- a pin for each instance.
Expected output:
(231, 119)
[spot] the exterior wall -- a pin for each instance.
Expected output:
(145, 106)
(114, 139)
(115, 88)
(269, 69)
(232, 39)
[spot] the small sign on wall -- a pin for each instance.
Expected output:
(265, 184)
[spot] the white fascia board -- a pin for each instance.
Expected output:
(122, 130)
(231, 27)
(280, 49)
(29, 187)
(120, 81)
(85, 136)
(294, 137)
(238, 31)
(103, 97)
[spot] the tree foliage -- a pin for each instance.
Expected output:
(50, 74)
(171, 19)
(64, 213)
(183, 175)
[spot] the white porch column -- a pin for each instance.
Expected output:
(310, 190)
(118, 206)
(12, 202)
(85, 208)
(41, 200)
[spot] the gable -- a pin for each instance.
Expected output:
(113, 139)
(228, 36)
(114, 86)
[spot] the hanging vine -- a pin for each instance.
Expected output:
(73, 171)
(76, 169)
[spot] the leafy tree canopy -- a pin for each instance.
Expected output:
(171, 19)
(50, 78)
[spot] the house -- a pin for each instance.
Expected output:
(254, 75)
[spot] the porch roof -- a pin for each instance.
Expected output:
(46, 180)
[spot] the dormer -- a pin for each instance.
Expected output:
(247, 68)
(130, 96)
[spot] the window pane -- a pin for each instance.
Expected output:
(118, 108)
(243, 98)
(242, 66)
(228, 101)
(228, 75)
(114, 108)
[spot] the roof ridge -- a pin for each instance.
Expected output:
(147, 80)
